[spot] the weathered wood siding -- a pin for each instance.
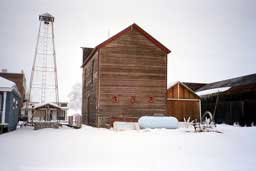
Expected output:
(90, 83)
(179, 91)
(184, 109)
(182, 103)
(132, 72)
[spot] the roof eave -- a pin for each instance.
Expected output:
(189, 89)
(133, 26)
(151, 38)
(90, 56)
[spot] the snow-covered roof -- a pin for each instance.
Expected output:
(212, 91)
(39, 105)
(47, 103)
(233, 82)
(7, 85)
(46, 15)
(76, 114)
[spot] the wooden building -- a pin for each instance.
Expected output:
(124, 77)
(48, 112)
(232, 100)
(183, 102)
(19, 79)
(10, 99)
(57, 111)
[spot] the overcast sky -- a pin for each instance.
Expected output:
(210, 40)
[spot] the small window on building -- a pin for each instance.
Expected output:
(114, 99)
(133, 100)
(151, 99)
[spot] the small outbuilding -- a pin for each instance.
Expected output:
(182, 102)
(48, 112)
(10, 99)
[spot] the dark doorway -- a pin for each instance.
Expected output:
(88, 110)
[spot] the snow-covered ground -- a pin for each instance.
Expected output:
(92, 149)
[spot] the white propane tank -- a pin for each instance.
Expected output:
(158, 122)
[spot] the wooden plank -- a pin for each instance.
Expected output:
(181, 109)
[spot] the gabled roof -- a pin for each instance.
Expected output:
(130, 28)
(194, 86)
(182, 84)
(42, 105)
(46, 15)
(234, 82)
(4, 83)
(172, 84)
(7, 85)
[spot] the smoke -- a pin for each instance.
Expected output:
(75, 98)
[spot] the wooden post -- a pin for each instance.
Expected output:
(200, 111)
(178, 90)
(32, 111)
(47, 113)
(242, 103)
(4, 108)
(231, 114)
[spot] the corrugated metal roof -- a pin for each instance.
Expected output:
(234, 82)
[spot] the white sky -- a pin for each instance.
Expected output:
(210, 39)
